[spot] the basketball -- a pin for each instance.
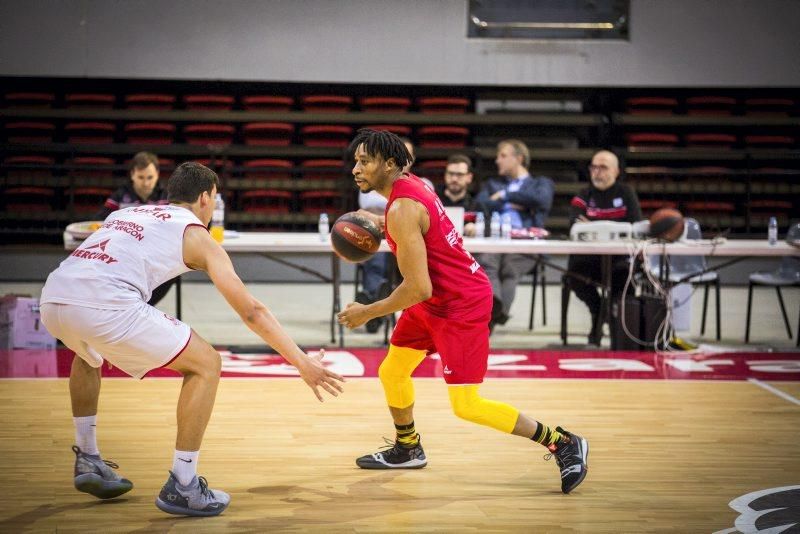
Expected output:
(666, 224)
(354, 237)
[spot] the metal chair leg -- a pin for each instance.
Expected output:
(564, 306)
(535, 274)
(719, 310)
(705, 309)
(749, 304)
(544, 298)
(783, 312)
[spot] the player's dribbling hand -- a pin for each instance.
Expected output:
(318, 376)
(354, 315)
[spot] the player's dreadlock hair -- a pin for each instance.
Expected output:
(380, 143)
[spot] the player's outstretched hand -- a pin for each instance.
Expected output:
(317, 376)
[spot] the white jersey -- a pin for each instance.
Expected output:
(136, 250)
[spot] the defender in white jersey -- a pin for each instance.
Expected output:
(96, 303)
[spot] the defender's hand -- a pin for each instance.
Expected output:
(317, 376)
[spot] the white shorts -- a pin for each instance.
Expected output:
(136, 339)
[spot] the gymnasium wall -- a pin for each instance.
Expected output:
(674, 43)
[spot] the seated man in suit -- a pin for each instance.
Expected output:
(606, 199)
(527, 200)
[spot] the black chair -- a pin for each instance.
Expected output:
(787, 275)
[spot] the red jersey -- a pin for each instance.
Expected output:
(460, 286)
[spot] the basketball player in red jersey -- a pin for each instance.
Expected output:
(446, 300)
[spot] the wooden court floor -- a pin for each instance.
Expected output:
(665, 456)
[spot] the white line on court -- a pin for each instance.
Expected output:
(774, 390)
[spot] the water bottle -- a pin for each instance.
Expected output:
(494, 225)
(480, 225)
(772, 231)
(505, 226)
(324, 228)
(218, 219)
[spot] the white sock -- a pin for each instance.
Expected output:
(184, 466)
(86, 434)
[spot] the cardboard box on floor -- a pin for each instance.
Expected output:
(21, 326)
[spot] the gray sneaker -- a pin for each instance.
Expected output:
(95, 476)
(194, 499)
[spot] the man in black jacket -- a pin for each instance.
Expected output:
(527, 201)
(605, 199)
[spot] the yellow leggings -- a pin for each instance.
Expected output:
(395, 375)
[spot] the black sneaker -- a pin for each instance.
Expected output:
(395, 456)
(95, 476)
(571, 457)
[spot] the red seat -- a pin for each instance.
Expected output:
(769, 106)
(320, 201)
(326, 103)
(322, 169)
(149, 101)
(267, 103)
(217, 165)
(711, 140)
(268, 133)
(27, 167)
(266, 201)
(442, 104)
(651, 140)
(384, 104)
(709, 206)
(267, 169)
(29, 100)
(30, 132)
(710, 105)
(87, 200)
(26, 199)
(94, 133)
(651, 105)
(649, 205)
(91, 168)
(397, 129)
(326, 135)
(771, 205)
(442, 136)
(433, 169)
(208, 102)
(89, 100)
(208, 134)
(149, 133)
(769, 141)
(165, 168)
(710, 172)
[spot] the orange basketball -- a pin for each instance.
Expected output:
(666, 224)
(354, 237)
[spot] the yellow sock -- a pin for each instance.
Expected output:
(547, 436)
(407, 435)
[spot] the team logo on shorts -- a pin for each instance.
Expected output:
(769, 510)
(173, 320)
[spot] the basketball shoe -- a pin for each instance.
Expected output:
(195, 499)
(571, 457)
(95, 476)
(394, 456)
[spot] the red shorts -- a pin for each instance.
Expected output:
(463, 344)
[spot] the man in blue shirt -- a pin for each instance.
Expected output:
(527, 201)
